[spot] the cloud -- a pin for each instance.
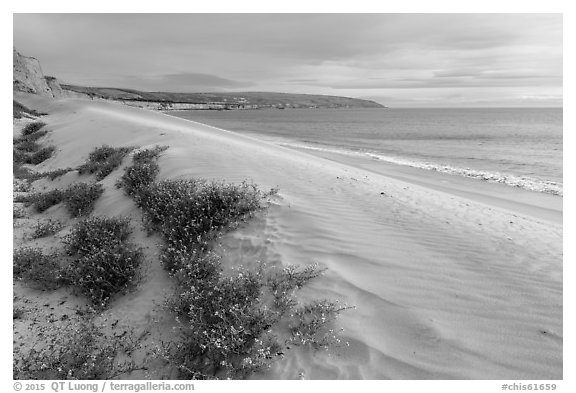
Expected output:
(188, 82)
(322, 53)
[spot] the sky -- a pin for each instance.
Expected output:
(399, 60)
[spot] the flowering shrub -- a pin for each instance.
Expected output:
(43, 200)
(19, 111)
(105, 262)
(138, 176)
(53, 174)
(30, 176)
(148, 155)
(103, 160)
(142, 172)
(36, 269)
(191, 212)
(310, 324)
(18, 212)
(93, 233)
(32, 128)
(30, 137)
(45, 228)
(81, 197)
(26, 150)
(75, 350)
(40, 155)
(27, 145)
(231, 325)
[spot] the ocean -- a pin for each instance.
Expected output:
(520, 147)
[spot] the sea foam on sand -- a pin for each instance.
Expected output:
(447, 285)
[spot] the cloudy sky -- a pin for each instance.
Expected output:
(400, 60)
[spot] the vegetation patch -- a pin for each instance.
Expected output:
(148, 155)
(42, 200)
(189, 213)
(105, 262)
(27, 146)
(80, 198)
(91, 234)
(103, 160)
(46, 228)
(32, 128)
(75, 350)
(27, 150)
(18, 212)
(30, 176)
(143, 171)
(231, 324)
(37, 269)
(19, 111)
(40, 156)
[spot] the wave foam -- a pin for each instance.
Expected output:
(525, 182)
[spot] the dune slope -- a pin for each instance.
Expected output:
(444, 286)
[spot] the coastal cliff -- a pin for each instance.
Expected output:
(220, 101)
(28, 77)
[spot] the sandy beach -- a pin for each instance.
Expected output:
(451, 278)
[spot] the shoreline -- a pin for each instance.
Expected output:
(485, 171)
(533, 203)
(447, 281)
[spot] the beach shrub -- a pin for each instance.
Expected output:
(231, 324)
(30, 137)
(310, 324)
(106, 263)
(226, 330)
(18, 212)
(46, 228)
(80, 198)
(43, 200)
(17, 312)
(19, 110)
(148, 155)
(19, 185)
(76, 350)
(138, 176)
(103, 160)
(30, 176)
(143, 171)
(39, 156)
(18, 158)
(26, 150)
(191, 212)
(91, 234)
(32, 128)
(27, 146)
(53, 174)
(230, 329)
(284, 283)
(105, 272)
(36, 269)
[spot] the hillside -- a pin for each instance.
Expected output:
(29, 78)
(241, 100)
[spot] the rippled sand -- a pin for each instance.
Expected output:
(451, 280)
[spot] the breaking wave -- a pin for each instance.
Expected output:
(525, 182)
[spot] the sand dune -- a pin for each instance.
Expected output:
(449, 282)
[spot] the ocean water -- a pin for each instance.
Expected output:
(520, 147)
